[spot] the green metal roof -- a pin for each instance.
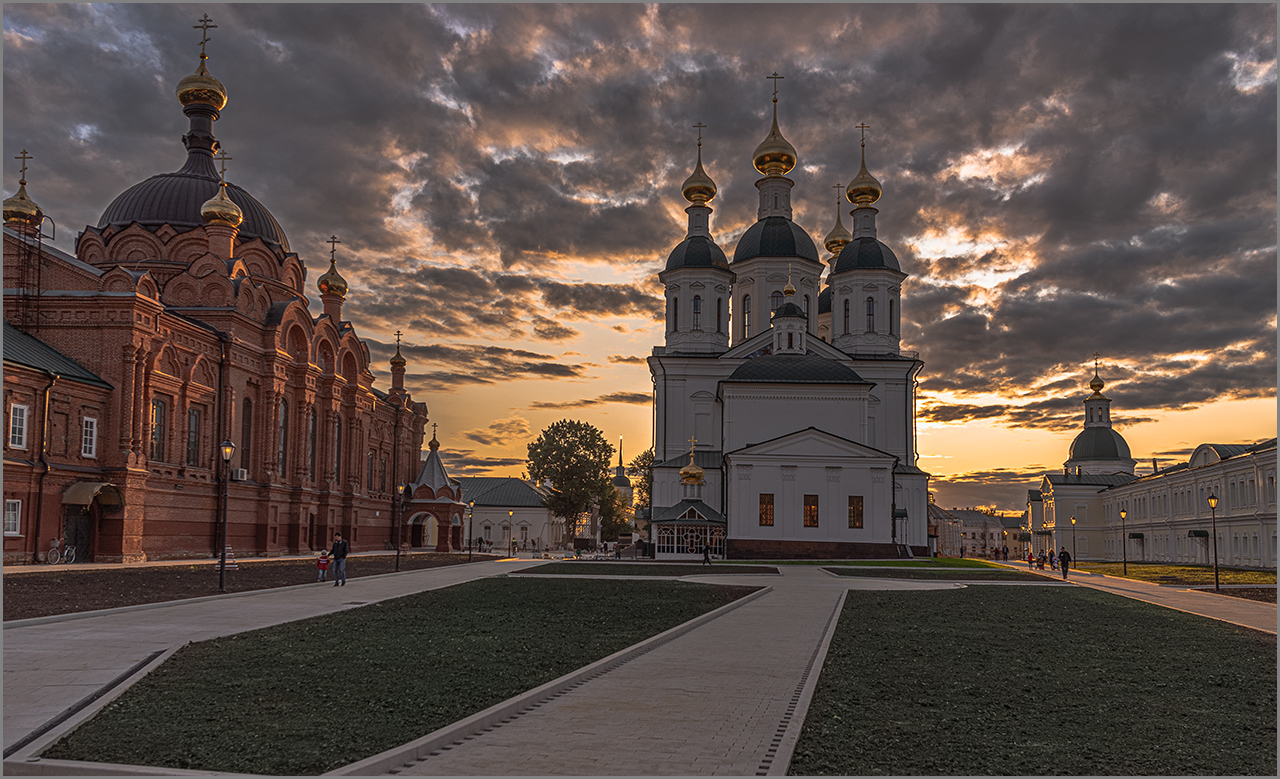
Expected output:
(674, 514)
(500, 491)
(31, 352)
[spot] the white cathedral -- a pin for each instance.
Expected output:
(784, 422)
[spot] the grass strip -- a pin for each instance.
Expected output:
(313, 695)
(956, 574)
(1038, 680)
(926, 562)
(645, 569)
(1162, 573)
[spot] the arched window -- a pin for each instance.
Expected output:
(368, 472)
(746, 316)
(791, 344)
(719, 317)
(282, 435)
(846, 317)
(871, 315)
(311, 445)
(697, 312)
(246, 433)
(382, 479)
(675, 314)
(337, 448)
(893, 324)
(806, 305)
(775, 302)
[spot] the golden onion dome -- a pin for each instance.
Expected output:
(864, 189)
(692, 473)
(839, 237)
(1096, 385)
(21, 209)
(433, 444)
(332, 283)
(202, 88)
(775, 156)
(698, 189)
(397, 360)
(790, 289)
(221, 210)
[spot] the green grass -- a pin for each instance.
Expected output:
(914, 562)
(1038, 680)
(954, 574)
(1181, 574)
(310, 696)
(645, 569)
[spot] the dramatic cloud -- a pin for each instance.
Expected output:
(501, 432)
(625, 360)
(637, 398)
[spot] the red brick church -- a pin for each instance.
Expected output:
(182, 322)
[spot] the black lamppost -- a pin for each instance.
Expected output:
(1124, 542)
(471, 528)
(1213, 515)
(396, 524)
(226, 449)
(511, 530)
(1073, 541)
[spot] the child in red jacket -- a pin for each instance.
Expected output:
(323, 565)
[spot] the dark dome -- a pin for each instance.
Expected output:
(824, 300)
(795, 369)
(789, 310)
(775, 236)
(1099, 443)
(621, 482)
(697, 252)
(175, 199)
(865, 252)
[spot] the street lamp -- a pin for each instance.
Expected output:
(511, 530)
(226, 449)
(396, 524)
(1124, 543)
(1213, 514)
(1073, 541)
(471, 528)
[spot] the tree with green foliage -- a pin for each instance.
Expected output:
(614, 516)
(574, 456)
(640, 469)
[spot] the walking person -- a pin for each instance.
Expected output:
(1053, 560)
(706, 554)
(1064, 560)
(1005, 551)
(322, 565)
(339, 555)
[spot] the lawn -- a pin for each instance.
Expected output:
(1038, 680)
(646, 569)
(954, 574)
(310, 696)
(1162, 573)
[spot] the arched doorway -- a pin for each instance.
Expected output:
(92, 519)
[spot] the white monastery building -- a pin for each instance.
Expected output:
(770, 440)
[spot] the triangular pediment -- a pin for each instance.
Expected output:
(811, 443)
(755, 343)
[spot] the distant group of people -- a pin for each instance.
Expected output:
(1056, 560)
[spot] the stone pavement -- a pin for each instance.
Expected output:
(53, 664)
(1238, 611)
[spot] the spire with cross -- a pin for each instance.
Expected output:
(222, 156)
(775, 78)
(204, 26)
(333, 248)
(863, 127)
(398, 334)
(700, 127)
(22, 175)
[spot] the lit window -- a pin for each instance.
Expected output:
(855, 512)
(89, 437)
(12, 517)
(18, 426)
(810, 510)
(746, 316)
(766, 508)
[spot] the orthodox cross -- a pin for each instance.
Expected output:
(775, 78)
(204, 26)
(693, 444)
(24, 157)
(333, 247)
(223, 156)
(838, 187)
(1095, 362)
(433, 429)
(699, 125)
(398, 340)
(863, 127)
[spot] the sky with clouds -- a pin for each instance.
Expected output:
(1058, 180)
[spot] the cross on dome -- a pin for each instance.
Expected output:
(333, 246)
(24, 157)
(775, 78)
(863, 127)
(222, 156)
(204, 26)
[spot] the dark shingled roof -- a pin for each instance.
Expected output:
(775, 236)
(175, 199)
(865, 252)
(671, 514)
(697, 252)
(1099, 443)
(789, 310)
(795, 369)
(31, 352)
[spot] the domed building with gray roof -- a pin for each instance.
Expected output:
(775, 436)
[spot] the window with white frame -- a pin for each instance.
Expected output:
(12, 517)
(89, 437)
(18, 426)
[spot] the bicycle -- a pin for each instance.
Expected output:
(60, 552)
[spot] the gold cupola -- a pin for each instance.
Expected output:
(21, 210)
(200, 88)
(699, 189)
(864, 189)
(221, 210)
(332, 283)
(775, 156)
(839, 237)
(398, 360)
(692, 473)
(790, 289)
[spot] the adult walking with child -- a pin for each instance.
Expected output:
(339, 555)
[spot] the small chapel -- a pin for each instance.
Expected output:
(784, 408)
(168, 379)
